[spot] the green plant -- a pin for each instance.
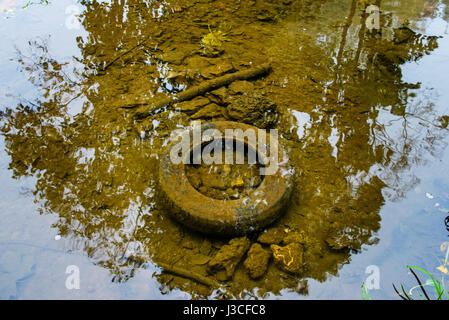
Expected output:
(212, 43)
(365, 292)
(214, 38)
(437, 287)
(29, 3)
(44, 2)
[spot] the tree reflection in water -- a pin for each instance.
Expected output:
(353, 127)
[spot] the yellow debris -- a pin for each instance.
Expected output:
(443, 269)
(237, 182)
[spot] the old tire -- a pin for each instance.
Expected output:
(224, 217)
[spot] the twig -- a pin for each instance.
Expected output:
(399, 294)
(147, 110)
(178, 271)
(121, 55)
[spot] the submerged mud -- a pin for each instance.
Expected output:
(97, 169)
(224, 181)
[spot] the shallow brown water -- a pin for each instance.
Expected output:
(363, 114)
(225, 181)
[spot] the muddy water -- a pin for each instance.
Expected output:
(363, 114)
(225, 181)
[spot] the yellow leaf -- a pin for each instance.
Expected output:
(442, 269)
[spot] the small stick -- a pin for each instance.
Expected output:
(188, 274)
(398, 293)
(121, 55)
(210, 85)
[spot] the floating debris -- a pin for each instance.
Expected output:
(443, 269)
(444, 246)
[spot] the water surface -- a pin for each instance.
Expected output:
(364, 115)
